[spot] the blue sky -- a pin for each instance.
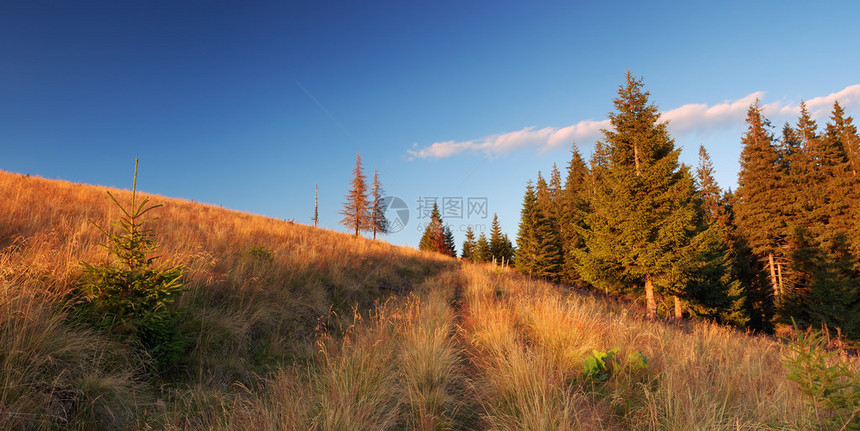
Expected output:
(249, 106)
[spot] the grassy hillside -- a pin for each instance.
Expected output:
(292, 327)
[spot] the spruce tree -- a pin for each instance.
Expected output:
(432, 230)
(556, 193)
(763, 215)
(544, 200)
(469, 245)
(549, 265)
(539, 251)
(482, 249)
(839, 146)
(840, 129)
(130, 296)
(717, 287)
(808, 176)
(378, 221)
(500, 247)
(449, 248)
(526, 258)
(827, 282)
(571, 220)
(643, 214)
(437, 237)
(830, 287)
(357, 210)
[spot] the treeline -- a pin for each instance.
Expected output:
(439, 238)
(634, 221)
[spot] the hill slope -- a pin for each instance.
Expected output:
(293, 327)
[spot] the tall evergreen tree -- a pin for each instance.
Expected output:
(840, 131)
(763, 215)
(839, 146)
(526, 258)
(356, 210)
(643, 214)
(469, 245)
(378, 222)
(807, 176)
(574, 207)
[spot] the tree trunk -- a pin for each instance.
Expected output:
(650, 303)
(636, 159)
(779, 277)
(679, 313)
(773, 280)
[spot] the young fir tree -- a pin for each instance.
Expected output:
(482, 249)
(378, 222)
(643, 213)
(357, 210)
(763, 208)
(500, 246)
(571, 220)
(129, 296)
(469, 245)
(437, 237)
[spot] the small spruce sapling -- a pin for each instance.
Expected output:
(831, 386)
(129, 295)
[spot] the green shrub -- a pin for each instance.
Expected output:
(832, 388)
(261, 252)
(129, 295)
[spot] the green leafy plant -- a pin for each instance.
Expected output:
(600, 365)
(636, 362)
(128, 296)
(832, 388)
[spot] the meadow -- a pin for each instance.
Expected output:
(293, 327)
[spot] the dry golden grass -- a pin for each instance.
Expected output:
(699, 376)
(256, 289)
(297, 328)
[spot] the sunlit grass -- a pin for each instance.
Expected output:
(297, 328)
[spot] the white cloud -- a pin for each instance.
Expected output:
(691, 118)
(819, 107)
